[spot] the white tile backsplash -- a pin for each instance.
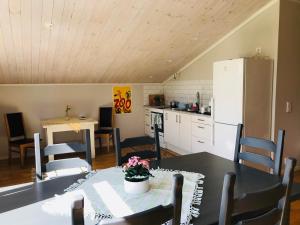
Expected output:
(182, 91)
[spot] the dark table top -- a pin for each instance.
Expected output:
(213, 167)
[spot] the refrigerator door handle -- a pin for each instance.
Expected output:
(213, 119)
(213, 108)
(213, 134)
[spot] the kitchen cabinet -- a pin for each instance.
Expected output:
(178, 130)
(185, 123)
(201, 134)
(171, 127)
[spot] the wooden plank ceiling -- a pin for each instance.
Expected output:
(97, 41)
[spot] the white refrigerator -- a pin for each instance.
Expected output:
(242, 93)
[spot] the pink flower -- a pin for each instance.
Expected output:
(145, 163)
(133, 161)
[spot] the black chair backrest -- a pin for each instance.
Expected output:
(105, 117)
(77, 212)
(135, 141)
(58, 149)
(155, 216)
(262, 144)
(15, 125)
(273, 201)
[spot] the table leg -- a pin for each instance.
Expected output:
(92, 135)
(50, 142)
(22, 151)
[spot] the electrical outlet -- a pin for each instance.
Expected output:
(258, 50)
(288, 107)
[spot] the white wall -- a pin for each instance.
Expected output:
(181, 91)
(260, 31)
(39, 102)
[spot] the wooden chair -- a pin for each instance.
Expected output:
(17, 139)
(155, 216)
(77, 213)
(267, 145)
(273, 202)
(58, 149)
(275, 164)
(136, 141)
(105, 126)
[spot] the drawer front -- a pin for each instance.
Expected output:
(200, 145)
(202, 119)
(201, 130)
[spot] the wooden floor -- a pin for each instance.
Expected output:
(13, 174)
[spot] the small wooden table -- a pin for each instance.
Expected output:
(72, 124)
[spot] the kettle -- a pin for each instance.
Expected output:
(173, 104)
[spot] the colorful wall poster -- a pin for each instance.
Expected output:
(122, 99)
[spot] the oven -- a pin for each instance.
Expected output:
(157, 118)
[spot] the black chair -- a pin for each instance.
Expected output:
(270, 146)
(105, 126)
(17, 139)
(136, 141)
(77, 213)
(155, 216)
(262, 144)
(58, 149)
(266, 207)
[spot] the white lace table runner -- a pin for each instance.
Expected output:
(106, 198)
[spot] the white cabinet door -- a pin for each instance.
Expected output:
(185, 129)
(171, 131)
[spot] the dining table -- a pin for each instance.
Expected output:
(211, 166)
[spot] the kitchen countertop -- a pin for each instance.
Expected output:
(187, 112)
(166, 108)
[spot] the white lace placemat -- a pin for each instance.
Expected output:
(105, 196)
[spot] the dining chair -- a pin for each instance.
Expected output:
(272, 203)
(17, 139)
(105, 126)
(77, 210)
(263, 144)
(136, 141)
(155, 216)
(42, 169)
(270, 146)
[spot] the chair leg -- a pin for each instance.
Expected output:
(22, 155)
(108, 141)
(25, 155)
(9, 155)
(100, 143)
(112, 141)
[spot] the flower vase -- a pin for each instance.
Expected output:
(136, 187)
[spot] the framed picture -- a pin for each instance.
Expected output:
(122, 99)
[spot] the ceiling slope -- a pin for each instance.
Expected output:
(108, 41)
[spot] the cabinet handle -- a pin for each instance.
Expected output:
(179, 118)
(176, 118)
(202, 142)
(200, 119)
(200, 127)
(147, 114)
(166, 117)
